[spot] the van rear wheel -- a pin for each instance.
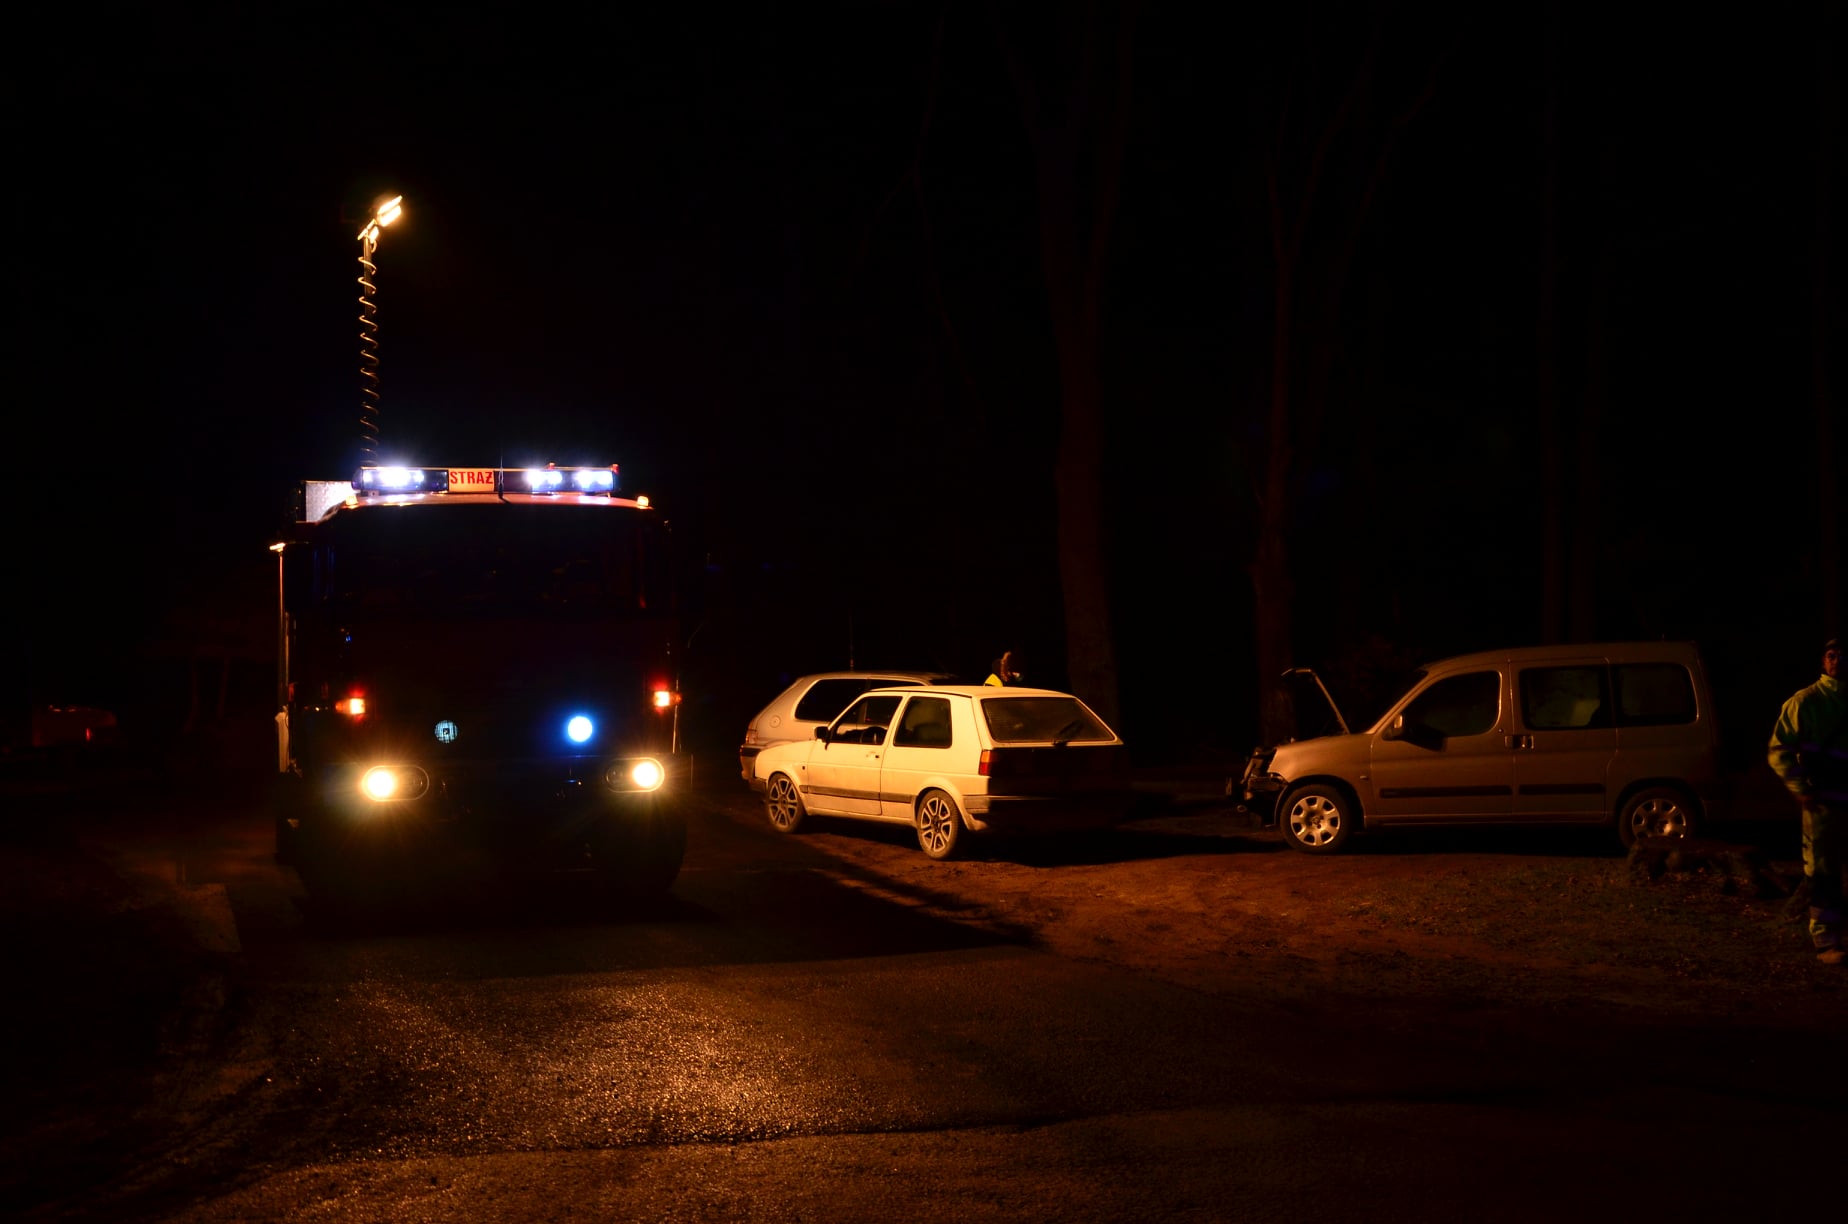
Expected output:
(1318, 820)
(1655, 811)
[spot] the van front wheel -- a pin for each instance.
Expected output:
(1318, 820)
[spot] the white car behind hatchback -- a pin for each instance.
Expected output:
(952, 760)
(813, 701)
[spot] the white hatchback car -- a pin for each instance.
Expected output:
(950, 759)
(813, 701)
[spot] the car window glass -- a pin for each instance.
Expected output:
(871, 712)
(1037, 719)
(1469, 704)
(826, 698)
(924, 724)
(1654, 694)
(1565, 698)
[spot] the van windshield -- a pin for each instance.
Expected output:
(1383, 697)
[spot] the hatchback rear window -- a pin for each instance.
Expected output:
(1016, 720)
(1654, 694)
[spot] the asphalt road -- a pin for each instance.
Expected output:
(794, 1037)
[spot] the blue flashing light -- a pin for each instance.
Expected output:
(579, 729)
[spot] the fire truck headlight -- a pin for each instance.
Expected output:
(387, 783)
(379, 784)
(640, 774)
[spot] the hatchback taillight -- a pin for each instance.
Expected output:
(998, 763)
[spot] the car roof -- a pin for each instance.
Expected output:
(1616, 652)
(875, 673)
(977, 690)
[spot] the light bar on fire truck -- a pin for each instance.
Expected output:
(383, 480)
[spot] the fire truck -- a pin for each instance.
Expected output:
(475, 680)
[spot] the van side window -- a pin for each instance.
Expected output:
(1654, 695)
(1469, 704)
(1564, 698)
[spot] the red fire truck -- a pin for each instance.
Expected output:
(476, 676)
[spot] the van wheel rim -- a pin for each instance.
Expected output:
(1314, 821)
(1659, 818)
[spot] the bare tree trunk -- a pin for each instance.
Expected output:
(1078, 154)
(1586, 549)
(1824, 337)
(1546, 348)
(1273, 589)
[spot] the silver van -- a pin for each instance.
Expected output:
(1619, 734)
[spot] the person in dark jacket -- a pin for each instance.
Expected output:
(1809, 751)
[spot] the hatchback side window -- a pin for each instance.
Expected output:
(924, 724)
(1564, 698)
(1654, 695)
(866, 721)
(1469, 704)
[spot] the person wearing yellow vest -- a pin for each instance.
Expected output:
(1809, 751)
(1007, 669)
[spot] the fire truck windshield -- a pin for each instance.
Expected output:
(465, 561)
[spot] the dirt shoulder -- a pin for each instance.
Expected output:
(1481, 917)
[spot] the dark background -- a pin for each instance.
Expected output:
(782, 264)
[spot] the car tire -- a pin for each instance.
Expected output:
(1655, 811)
(783, 804)
(1317, 819)
(640, 862)
(939, 825)
(286, 808)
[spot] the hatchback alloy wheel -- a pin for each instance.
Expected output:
(939, 824)
(783, 803)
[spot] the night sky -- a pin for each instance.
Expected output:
(784, 265)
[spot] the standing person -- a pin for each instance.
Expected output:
(1809, 751)
(1007, 669)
